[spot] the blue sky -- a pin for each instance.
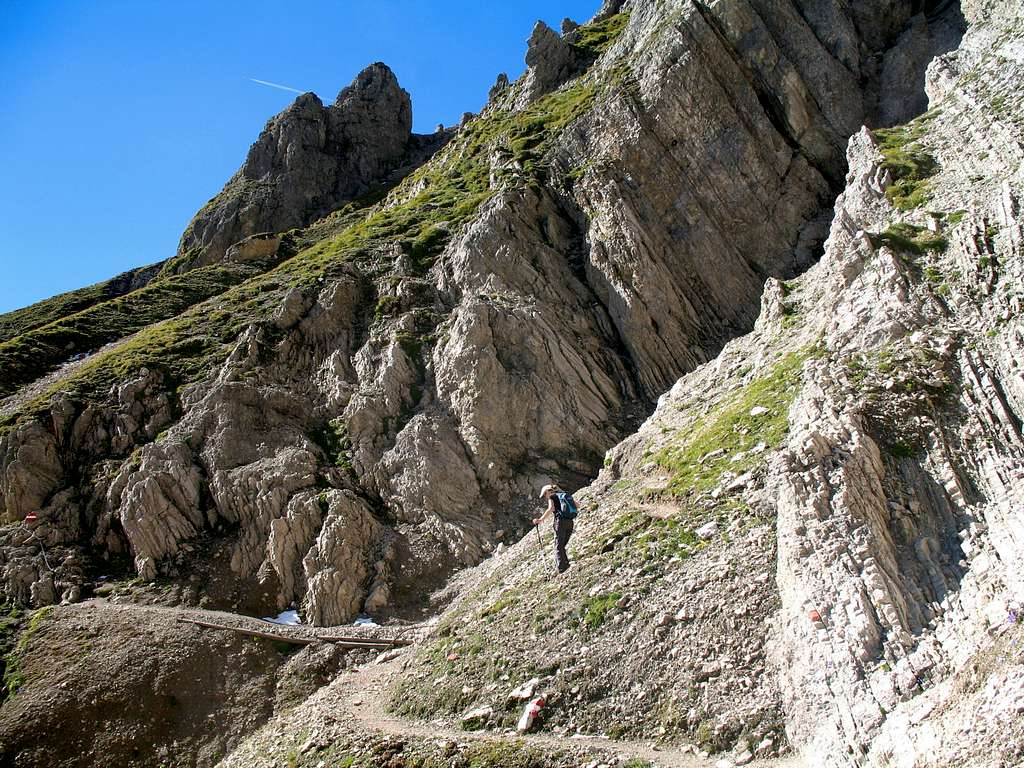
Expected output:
(121, 118)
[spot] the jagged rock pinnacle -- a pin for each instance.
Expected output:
(309, 160)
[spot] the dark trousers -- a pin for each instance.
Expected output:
(563, 530)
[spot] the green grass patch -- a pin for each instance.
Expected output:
(36, 352)
(14, 676)
(639, 537)
(902, 450)
(910, 164)
(386, 306)
(332, 438)
(909, 238)
(183, 348)
(594, 39)
(595, 610)
(10, 620)
(50, 310)
(722, 441)
(498, 606)
(448, 664)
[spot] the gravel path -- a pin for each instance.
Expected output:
(356, 701)
(363, 702)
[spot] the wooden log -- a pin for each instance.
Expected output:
(250, 632)
(392, 642)
(345, 642)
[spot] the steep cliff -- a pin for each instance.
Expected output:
(309, 161)
(814, 543)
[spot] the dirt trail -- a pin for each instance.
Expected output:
(355, 699)
(358, 699)
(242, 621)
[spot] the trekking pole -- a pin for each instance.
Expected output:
(541, 540)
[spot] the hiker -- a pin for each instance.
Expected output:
(563, 507)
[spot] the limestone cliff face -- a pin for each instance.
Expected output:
(354, 423)
(814, 544)
(804, 411)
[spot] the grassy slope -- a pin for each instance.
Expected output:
(65, 304)
(37, 351)
(635, 543)
(421, 216)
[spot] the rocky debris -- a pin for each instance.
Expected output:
(631, 623)
(526, 690)
(707, 531)
(315, 735)
(477, 718)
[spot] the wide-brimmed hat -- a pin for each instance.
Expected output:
(548, 489)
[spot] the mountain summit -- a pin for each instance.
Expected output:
(309, 161)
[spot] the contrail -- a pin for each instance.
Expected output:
(275, 85)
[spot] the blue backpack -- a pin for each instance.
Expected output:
(567, 509)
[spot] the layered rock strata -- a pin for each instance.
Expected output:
(815, 541)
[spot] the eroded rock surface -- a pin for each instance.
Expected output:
(833, 498)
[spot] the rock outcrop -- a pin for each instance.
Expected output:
(550, 61)
(815, 542)
(806, 410)
(309, 160)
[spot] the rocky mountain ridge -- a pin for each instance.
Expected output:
(325, 432)
(390, 390)
(310, 160)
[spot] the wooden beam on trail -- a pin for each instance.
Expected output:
(369, 643)
(390, 642)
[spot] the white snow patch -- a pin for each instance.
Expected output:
(287, 617)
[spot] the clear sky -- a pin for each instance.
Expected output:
(120, 118)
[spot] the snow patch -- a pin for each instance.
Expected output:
(286, 617)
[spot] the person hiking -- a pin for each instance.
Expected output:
(562, 506)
